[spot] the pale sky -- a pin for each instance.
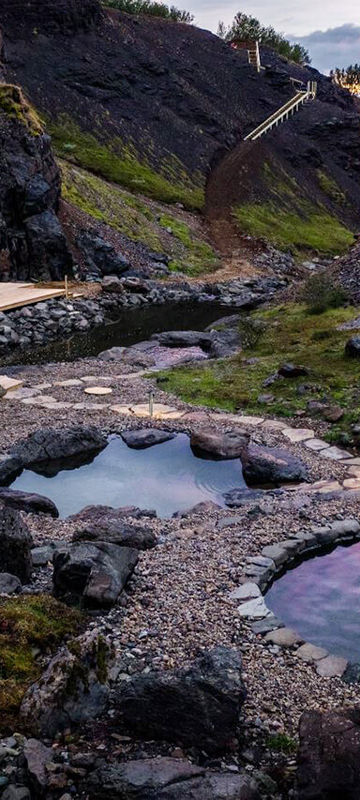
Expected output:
(330, 29)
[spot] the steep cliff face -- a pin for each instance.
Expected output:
(41, 16)
(32, 243)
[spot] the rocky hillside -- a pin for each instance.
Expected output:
(157, 107)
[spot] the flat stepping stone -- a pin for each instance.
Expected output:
(335, 453)
(352, 483)
(274, 425)
(247, 591)
(316, 444)
(331, 666)
(355, 462)
(39, 400)
(160, 411)
(309, 652)
(94, 379)
(69, 382)
(263, 626)
(254, 609)
(121, 409)
(9, 384)
(298, 434)
(354, 472)
(283, 637)
(42, 386)
(323, 487)
(249, 420)
(20, 394)
(98, 390)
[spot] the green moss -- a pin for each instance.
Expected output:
(139, 219)
(312, 230)
(281, 743)
(13, 103)
(292, 335)
(330, 188)
(121, 164)
(28, 624)
(200, 256)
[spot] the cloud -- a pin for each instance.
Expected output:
(335, 47)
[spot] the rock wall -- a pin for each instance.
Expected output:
(32, 242)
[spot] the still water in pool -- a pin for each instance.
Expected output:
(167, 477)
(320, 599)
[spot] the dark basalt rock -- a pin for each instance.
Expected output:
(292, 371)
(352, 347)
(167, 779)
(184, 339)
(92, 574)
(329, 756)
(147, 437)
(9, 584)
(97, 513)
(198, 706)
(222, 445)
(31, 237)
(102, 524)
(64, 16)
(49, 444)
(100, 257)
(28, 502)
(15, 545)
(10, 467)
(271, 465)
(236, 498)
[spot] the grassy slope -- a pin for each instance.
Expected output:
(140, 219)
(291, 335)
(291, 220)
(121, 164)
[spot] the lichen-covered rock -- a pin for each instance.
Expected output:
(9, 584)
(72, 690)
(15, 544)
(92, 573)
(198, 706)
(104, 524)
(146, 437)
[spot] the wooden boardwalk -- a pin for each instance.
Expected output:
(14, 295)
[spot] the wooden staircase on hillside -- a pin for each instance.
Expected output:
(287, 110)
(253, 51)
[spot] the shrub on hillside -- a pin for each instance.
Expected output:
(245, 27)
(320, 293)
(151, 9)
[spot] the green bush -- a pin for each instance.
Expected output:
(251, 330)
(320, 293)
(151, 9)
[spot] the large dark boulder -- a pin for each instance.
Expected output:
(9, 584)
(99, 256)
(271, 465)
(15, 544)
(10, 466)
(29, 502)
(92, 574)
(94, 513)
(184, 339)
(198, 706)
(103, 524)
(224, 343)
(329, 756)
(47, 247)
(167, 779)
(221, 444)
(48, 444)
(352, 347)
(146, 437)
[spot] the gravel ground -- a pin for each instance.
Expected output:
(178, 599)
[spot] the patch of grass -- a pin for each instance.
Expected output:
(292, 335)
(29, 625)
(120, 164)
(200, 257)
(14, 104)
(139, 221)
(281, 743)
(330, 188)
(311, 230)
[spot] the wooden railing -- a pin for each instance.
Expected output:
(288, 109)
